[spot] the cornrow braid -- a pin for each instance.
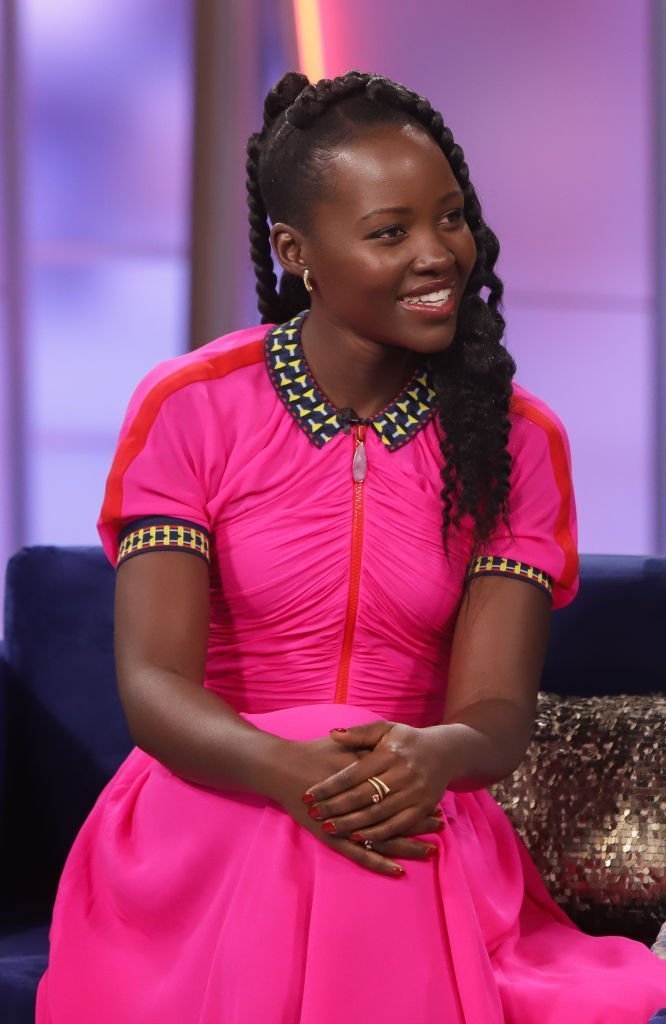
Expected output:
(304, 123)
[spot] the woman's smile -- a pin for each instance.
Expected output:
(436, 300)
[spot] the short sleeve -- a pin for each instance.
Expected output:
(541, 547)
(154, 498)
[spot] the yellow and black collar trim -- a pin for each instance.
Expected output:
(292, 379)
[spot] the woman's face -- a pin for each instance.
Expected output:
(387, 246)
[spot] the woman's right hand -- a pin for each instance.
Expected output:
(306, 763)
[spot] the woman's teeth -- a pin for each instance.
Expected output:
(432, 299)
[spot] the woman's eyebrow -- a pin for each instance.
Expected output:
(407, 209)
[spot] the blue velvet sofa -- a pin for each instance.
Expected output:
(63, 733)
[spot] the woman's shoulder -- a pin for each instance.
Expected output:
(530, 415)
(203, 367)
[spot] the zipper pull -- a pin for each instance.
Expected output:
(360, 461)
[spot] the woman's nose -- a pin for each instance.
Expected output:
(433, 256)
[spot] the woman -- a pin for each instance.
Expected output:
(331, 649)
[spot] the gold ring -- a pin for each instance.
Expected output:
(374, 779)
(379, 793)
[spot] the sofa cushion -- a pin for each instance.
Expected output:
(67, 732)
(23, 959)
(589, 800)
(608, 640)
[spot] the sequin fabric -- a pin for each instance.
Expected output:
(589, 801)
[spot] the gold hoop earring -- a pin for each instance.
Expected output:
(306, 280)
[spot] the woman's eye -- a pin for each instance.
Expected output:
(393, 231)
(455, 216)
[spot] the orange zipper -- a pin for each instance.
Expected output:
(359, 470)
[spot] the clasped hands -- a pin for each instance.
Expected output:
(410, 762)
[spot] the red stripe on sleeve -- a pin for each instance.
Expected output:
(558, 458)
(137, 435)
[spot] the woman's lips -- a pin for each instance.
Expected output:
(435, 305)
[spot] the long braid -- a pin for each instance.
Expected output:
(473, 377)
(268, 300)
(278, 100)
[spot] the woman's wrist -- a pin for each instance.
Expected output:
(267, 756)
(468, 759)
(475, 754)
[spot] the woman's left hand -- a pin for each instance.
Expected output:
(410, 761)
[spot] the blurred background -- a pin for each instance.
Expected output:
(123, 234)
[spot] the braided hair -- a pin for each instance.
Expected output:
(303, 126)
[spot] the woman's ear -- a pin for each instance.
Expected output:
(287, 245)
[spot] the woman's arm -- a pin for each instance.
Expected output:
(499, 648)
(161, 636)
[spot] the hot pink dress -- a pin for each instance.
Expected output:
(332, 604)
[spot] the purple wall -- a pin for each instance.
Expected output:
(552, 105)
(107, 146)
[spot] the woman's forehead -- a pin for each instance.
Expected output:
(386, 160)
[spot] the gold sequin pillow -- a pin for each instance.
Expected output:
(589, 801)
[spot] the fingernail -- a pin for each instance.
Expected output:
(397, 871)
(438, 812)
(329, 826)
(440, 826)
(314, 813)
(307, 798)
(338, 730)
(431, 851)
(357, 837)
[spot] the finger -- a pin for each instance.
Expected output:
(365, 795)
(397, 826)
(367, 735)
(426, 826)
(370, 859)
(372, 815)
(408, 849)
(349, 777)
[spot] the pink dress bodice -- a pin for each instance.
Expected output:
(325, 588)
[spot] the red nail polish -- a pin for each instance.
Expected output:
(307, 798)
(357, 837)
(438, 812)
(338, 730)
(329, 826)
(430, 852)
(440, 826)
(314, 813)
(397, 871)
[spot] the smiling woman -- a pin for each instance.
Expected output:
(322, 694)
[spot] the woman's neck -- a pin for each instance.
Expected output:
(354, 372)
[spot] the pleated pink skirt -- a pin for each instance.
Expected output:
(183, 905)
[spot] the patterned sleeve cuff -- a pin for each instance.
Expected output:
(496, 565)
(161, 533)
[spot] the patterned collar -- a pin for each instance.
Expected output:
(292, 379)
